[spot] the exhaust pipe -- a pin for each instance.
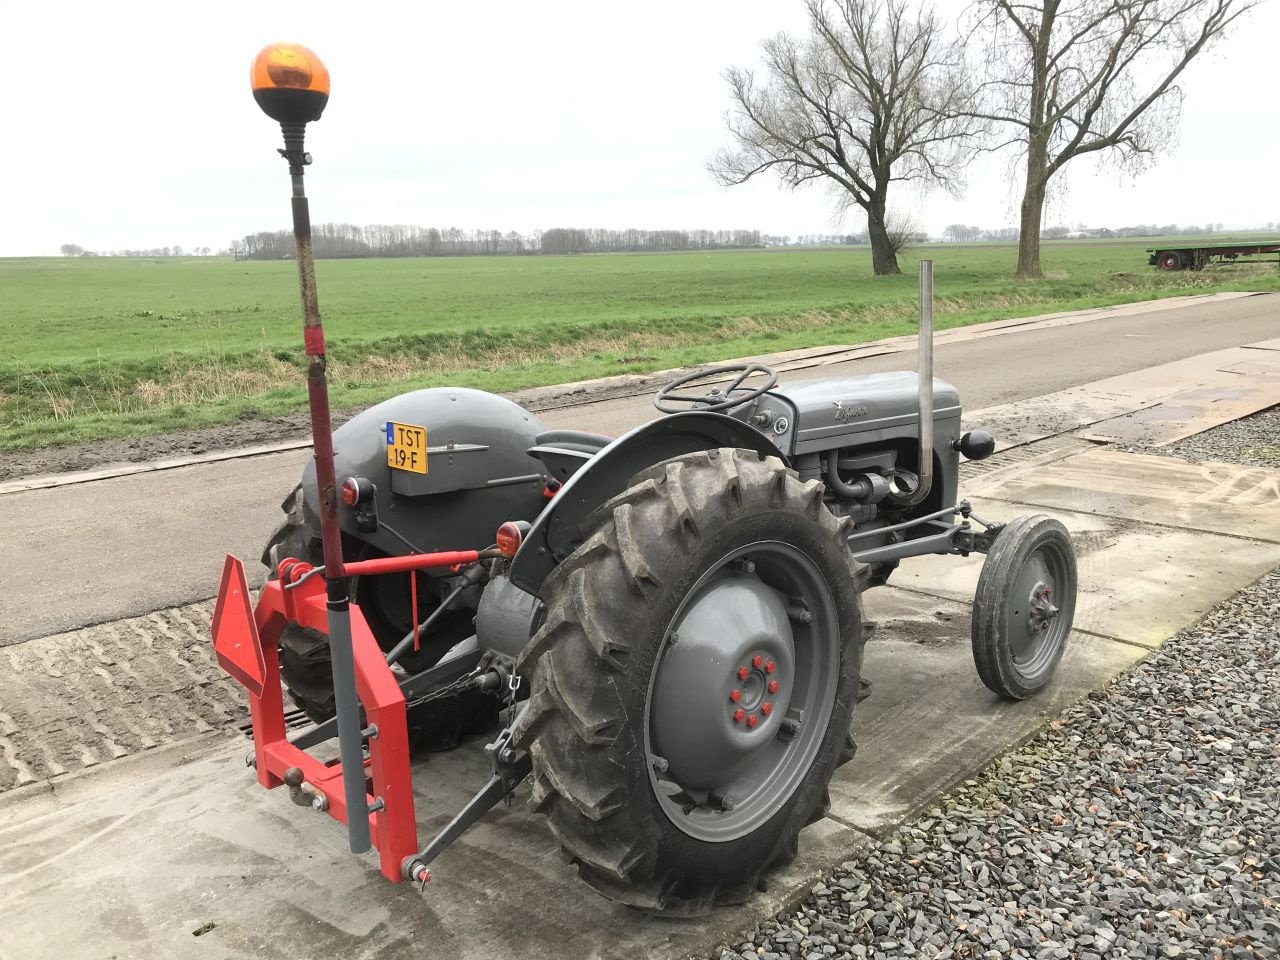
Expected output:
(924, 369)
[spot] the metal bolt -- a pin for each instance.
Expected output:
(722, 800)
(773, 686)
(507, 755)
(320, 803)
(743, 673)
(766, 708)
(752, 721)
(738, 715)
(770, 667)
(735, 696)
(757, 661)
(747, 566)
(673, 638)
(788, 729)
(1048, 591)
(660, 764)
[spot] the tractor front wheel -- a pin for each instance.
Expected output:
(1024, 606)
(693, 684)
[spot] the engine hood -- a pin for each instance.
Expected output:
(840, 406)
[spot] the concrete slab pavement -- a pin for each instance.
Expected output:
(1223, 498)
(1139, 583)
(929, 722)
(1154, 406)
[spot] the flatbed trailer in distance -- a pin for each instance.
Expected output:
(1198, 256)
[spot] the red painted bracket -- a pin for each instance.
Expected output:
(247, 647)
(235, 635)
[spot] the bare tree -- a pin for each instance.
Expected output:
(873, 95)
(1075, 77)
(904, 231)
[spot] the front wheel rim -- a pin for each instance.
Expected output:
(723, 680)
(1039, 613)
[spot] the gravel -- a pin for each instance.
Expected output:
(1253, 441)
(1145, 822)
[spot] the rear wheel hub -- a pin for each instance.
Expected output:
(711, 702)
(742, 691)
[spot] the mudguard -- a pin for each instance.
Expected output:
(479, 474)
(556, 532)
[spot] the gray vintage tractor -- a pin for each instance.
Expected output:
(669, 622)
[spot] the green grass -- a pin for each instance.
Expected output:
(96, 348)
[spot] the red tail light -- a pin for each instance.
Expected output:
(509, 537)
(356, 490)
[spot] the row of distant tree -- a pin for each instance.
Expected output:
(75, 250)
(961, 233)
(346, 240)
(342, 240)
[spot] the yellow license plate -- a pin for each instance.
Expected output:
(406, 447)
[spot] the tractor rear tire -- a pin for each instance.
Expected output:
(650, 556)
(304, 654)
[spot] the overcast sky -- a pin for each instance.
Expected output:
(130, 124)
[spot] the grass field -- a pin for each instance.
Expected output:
(96, 348)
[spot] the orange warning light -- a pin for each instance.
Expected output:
(289, 66)
(290, 83)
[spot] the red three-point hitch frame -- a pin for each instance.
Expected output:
(246, 642)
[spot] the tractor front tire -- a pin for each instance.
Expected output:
(1024, 607)
(628, 720)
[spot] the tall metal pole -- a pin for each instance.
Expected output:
(346, 703)
(924, 368)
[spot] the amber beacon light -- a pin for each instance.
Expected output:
(290, 83)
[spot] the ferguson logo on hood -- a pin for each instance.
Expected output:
(843, 413)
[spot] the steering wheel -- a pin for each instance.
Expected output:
(668, 401)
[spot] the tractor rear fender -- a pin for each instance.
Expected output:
(557, 531)
(477, 470)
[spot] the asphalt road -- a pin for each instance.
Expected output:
(95, 552)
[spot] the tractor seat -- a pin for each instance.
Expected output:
(564, 451)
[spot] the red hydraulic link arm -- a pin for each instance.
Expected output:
(417, 561)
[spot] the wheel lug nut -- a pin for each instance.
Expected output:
(743, 673)
(757, 661)
(738, 715)
(752, 720)
(766, 708)
(773, 686)
(770, 667)
(735, 696)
